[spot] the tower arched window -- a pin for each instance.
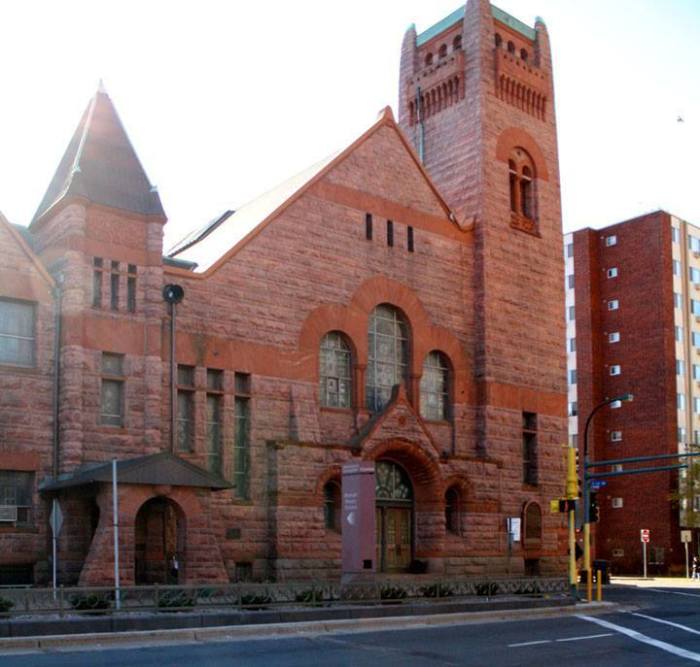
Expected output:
(457, 43)
(335, 358)
(442, 51)
(428, 59)
(523, 55)
(511, 47)
(498, 40)
(522, 182)
(434, 387)
(387, 354)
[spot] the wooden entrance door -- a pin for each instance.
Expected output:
(393, 538)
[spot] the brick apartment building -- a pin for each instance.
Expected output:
(398, 303)
(633, 313)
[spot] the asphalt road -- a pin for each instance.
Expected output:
(662, 629)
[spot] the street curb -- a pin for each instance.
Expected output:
(271, 630)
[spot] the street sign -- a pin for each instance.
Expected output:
(644, 535)
(598, 484)
(513, 526)
(56, 518)
(686, 536)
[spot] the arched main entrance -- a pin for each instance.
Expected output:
(394, 513)
(159, 549)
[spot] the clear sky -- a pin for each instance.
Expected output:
(224, 99)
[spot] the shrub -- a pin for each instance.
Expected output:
(488, 588)
(255, 600)
(311, 597)
(175, 598)
(437, 591)
(392, 593)
(5, 605)
(91, 602)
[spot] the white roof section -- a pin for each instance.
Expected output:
(206, 252)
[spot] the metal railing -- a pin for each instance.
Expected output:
(66, 601)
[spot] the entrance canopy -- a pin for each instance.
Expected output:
(162, 469)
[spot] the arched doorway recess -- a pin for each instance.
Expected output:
(394, 517)
(159, 551)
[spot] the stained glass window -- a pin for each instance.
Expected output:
(387, 355)
(335, 389)
(434, 387)
(392, 482)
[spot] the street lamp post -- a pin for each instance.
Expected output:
(587, 491)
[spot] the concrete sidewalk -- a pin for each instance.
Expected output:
(135, 638)
(656, 582)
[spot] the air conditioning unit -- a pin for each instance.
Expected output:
(617, 503)
(8, 513)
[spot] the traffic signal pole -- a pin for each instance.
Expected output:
(572, 497)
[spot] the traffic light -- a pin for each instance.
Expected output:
(593, 508)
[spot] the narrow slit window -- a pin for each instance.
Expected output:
(368, 226)
(389, 233)
(410, 240)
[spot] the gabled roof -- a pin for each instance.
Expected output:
(458, 15)
(161, 468)
(211, 245)
(101, 165)
(21, 237)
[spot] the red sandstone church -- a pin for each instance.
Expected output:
(398, 304)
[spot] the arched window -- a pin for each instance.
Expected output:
(335, 389)
(331, 505)
(511, 47)
(523, 55)
(434, 387)
(533, 524)
(442, 51)
(452, 511)
(457, 43)
(521, 178)
(498, 40)
(392, 483)
(387, 362)
(428, 59)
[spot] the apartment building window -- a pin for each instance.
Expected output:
(694, 274)
(114, 286)
(16, 491)
(571, 281)
(615, 436)
(573, 409)
(572, 345)
(696, 406)
(131, 288)
(695, 307)
(696, 437)
(681, 434)
(611, 240)
(530, 448)
(97, 272)
(185, 408)
(675, 234)
(680, 367)
(679, 333)
(680, 401)
(241, 441)
(615, 369)
(614, 337)
(215, 400)
(696, 372)
(613, 304)
(112, 390)
(676, 267)
(572, 313)
(693, 243)
(572, 376)
(696, 339)
(17, 333)
(569, 249)
(677, 300)
(612, 272)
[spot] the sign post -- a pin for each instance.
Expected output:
(56, 523)
(686, 537)
(115, 522)
(644, 537)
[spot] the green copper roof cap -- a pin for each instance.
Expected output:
(458, 15)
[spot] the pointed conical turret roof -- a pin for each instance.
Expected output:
(101, 165)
